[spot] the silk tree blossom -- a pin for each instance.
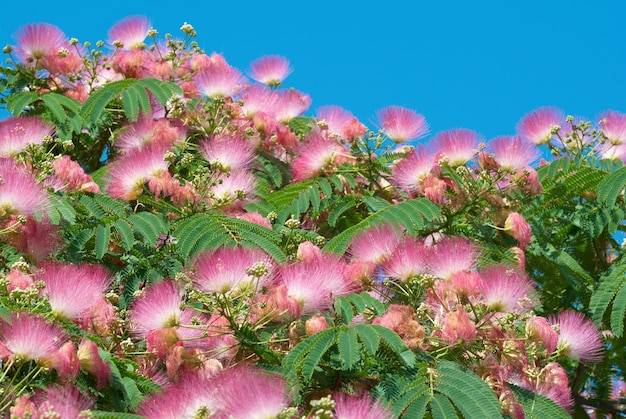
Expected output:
(314, 156)
(359, 407)
(402, 319)
(37, 240)
(259, 98)
(157, 308)
(402, 124)
(270, 70)
(456, 147)
(512, 153)
(579, 339)
(28, 337)
(408, 260)
(17, 133)
(341, 123)
(613, 126)
(412, 169)
(507, 290)
(231, 270)
(146, 131)
(70, 176)
(517, 226)
(54, 401)
(235, 187)
(451, 255)
(539, 126)
(72, 290)
(227, 152)
(539, 329)
(374, 245)
(20, 194)
(128, 174)
(220, 81)
(130, 33)
(291, 103)
(39, 40)
(457, 327)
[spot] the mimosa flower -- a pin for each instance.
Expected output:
(19, 193)
(517, 226)
(456, 147)
(259, 98)
(374, 245)
(291, 103)
(507, 290)
(227, 153)
(408, 260)
(512, 153)
(402, 124)
(315, 154)
(270, 70)
(39, 40)
(17, 133)
(220, 81)
(451, 255)
(579, 339)
(538, 125)
(411, 170)
(359, 407)
(130, 32)
(613, 125)
(158, 308)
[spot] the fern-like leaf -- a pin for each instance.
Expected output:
(537, 406)
(612, 289)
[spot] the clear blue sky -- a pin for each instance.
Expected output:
(462, 64)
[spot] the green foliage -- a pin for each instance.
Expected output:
(537, 406)
(611, 289)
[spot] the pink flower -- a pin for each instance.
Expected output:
(579, 339)
(507, 290)
(233, 188)
(537, 126)
(227, 270)
(359, 407)
(315, 285)
(374, 245)
(91, 362)
(403, 320)
(227, 153)
(517, 226)
(451, 255)
(31, 338)
(538, 329)
(457, 326)
(39, 40)
(408, 260)
(315, 325)
(128, 173)
(411, 170)
(340, 122)
(402, 124)
(35, 239)
(70, 176)
(315, 155)
(17, 133)
(63, 402)
(512, 153)
(73, 289)
(270, 70)
(158, 308)
(258, 98)
(456, 147)
(20, 194)
(291, 103)
(220, 81)
(19, 280)
(613, 125)
(130, 31)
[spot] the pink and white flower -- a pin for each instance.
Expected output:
(456, 147)
(402, 124)
(270, 70)
(130, 32)
(359, 407)
(512, 153)
(579, 339)
(538, 126)
(17, 133)
(613, 125)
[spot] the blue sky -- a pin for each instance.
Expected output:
(477, 65)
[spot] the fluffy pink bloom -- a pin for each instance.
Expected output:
(291, 103)
(403, 320)
(457, 326)
(39, 40)
(31, 338)
(456, 147)
(411, 170)
(359, 407)
(315, 155)
(266, 395)
(220, 81)
(226, 270)
(19, 193)
(402, 124)
(512, 153)
(408, 260)
(374, 245)
(19, 280)
(17, 133)
(315, 325)
(35, 239)
(315, 285)
(579, 339)
(538, 329)
(73, 289)
(70, 176)
(128, 173)
(234, 187)
(309, 253)
(451, 255)
(227, 153)
(130, 31)
(537, 125)
(257, 97)
(146, 130)
(613, 125)
(340, 122)
(517, 226)
(270, 70)
(63, 402)
(507, 290)
(158, 308)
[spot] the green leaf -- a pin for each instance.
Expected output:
(131, 104)
(441, 408)
(349, 348)
(126, 233)
(611, 187)
(537, 406)
(338, 211)
(132, 393)
(60, 207)
(163, 91)
(149, 226)
(103, 236)
(100, 414)
(368, 337)
(610, 284)
(394, 342)
(17, 103)
(618, 312)
(317, 351)
(471, 395)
